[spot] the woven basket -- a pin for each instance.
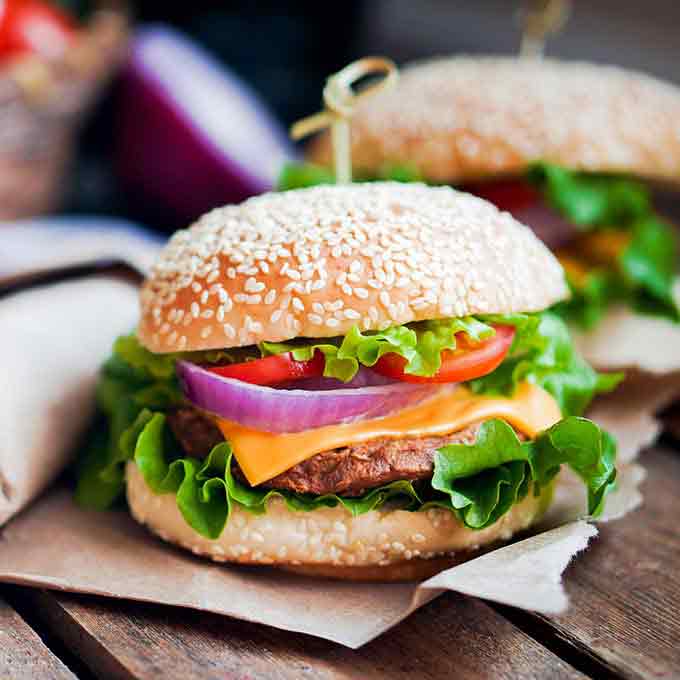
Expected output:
(41, 106)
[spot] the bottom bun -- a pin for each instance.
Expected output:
(381, 545)
(416, 569)
(626, 341)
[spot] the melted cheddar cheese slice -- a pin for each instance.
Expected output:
(263, 455)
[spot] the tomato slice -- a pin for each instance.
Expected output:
(273, 370)
(471, 361)
(34, 26)
(511, 195)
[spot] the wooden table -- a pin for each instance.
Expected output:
(624, 622)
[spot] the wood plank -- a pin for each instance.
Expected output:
(22, 653)
(453, 636)
(625, 589)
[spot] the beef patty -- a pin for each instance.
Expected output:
(349, 470)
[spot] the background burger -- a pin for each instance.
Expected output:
(576, 151)
(353, 381)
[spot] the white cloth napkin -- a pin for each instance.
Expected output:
(53, 340)
(53, 242)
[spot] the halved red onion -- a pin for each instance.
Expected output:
(192, 134)
(294, 410)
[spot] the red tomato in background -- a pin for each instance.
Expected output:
(34, 27)
(510, 195)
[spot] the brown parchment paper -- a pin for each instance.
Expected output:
(52, 344)
(58, 545)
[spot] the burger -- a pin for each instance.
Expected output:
(354, 381)
(586, 155)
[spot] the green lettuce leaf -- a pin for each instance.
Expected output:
(482, 481)
(649, 266)
(479, 482)
(302, 175)
(644, 273)
(590, 200)
(542, 353)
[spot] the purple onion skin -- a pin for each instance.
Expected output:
(273, 410)
(158, 154)
(165, 154)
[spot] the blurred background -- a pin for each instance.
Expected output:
(180, 106)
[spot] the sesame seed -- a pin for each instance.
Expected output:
(254, 286)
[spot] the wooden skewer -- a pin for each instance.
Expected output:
(340, 100)
(541, 19)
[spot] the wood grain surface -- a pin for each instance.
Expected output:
(625, 590)
(452, 637)
(23, 656)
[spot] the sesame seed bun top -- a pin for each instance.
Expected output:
(462, 119)
(315, 262)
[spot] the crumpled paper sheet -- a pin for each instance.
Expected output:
(630, 412)
(648, 350)
(624, 340)
(58, 545)
(51, 347)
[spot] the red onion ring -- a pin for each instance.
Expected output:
(294, 410)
